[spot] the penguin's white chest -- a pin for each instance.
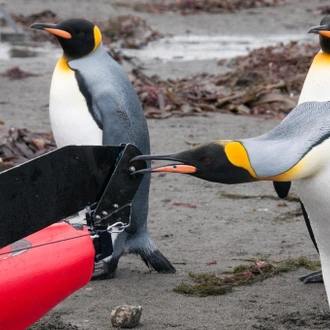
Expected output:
(315, 194)
(317, 84)
(71, 121)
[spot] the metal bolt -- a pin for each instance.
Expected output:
(97, 217)
(115, 206)
(104, 213)
(132, 169)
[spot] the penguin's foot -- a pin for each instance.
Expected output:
(155, 260)
(315, 277)
(104, 270)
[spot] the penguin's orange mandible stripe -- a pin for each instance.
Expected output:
(238, 156)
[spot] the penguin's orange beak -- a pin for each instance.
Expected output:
(51, 28)
(59, 33)
(325, 33)
(171, 168)
(322, 30)
(176, 168)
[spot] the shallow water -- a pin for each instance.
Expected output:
(177, 48)
(195, 47)
(45, 49)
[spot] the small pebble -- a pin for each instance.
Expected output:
(126, 316)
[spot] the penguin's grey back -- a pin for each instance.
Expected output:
(104, 84)
(114, 105)
(305, 127)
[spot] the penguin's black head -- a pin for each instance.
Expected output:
(207, 161)
(323, 30)
(78, 37)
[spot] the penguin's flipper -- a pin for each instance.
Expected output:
(282, 188)
(109, 115)
(308, 224)
(114, 116)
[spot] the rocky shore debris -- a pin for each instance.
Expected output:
(16, 73)
(186, 7)
(128, 31)
(19, 145)
(126, 316)
(265, 83)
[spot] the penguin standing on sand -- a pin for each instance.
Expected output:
(295, 150)
(92, 102)
(316, 88)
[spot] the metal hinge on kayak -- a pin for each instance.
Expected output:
(117, 217)
(114, 208)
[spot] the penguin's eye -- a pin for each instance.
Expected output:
(207, 160)
(81, 34)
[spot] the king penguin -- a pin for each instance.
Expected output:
(303, 141)
(92, 102)
(316, 87)
(298, 149)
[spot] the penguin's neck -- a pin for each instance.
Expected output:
(317, 83)
(62, 64)
(64, 61)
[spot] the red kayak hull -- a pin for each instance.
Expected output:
(54, 263)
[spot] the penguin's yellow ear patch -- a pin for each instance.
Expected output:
(59, 33)
(238, 156)
(97, 37)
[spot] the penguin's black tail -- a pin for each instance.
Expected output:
(157, 261)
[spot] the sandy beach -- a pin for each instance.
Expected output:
(228, 225)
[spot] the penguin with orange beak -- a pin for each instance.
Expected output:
(316, 88)
(298, 150)
(92, 102)
(302, 139)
